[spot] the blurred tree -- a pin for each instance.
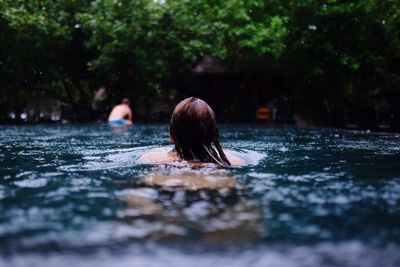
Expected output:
(322, 58)
(337, 55)
(130, 51)
(42, 53)
(243, 35)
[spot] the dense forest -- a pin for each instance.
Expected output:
(319, 62)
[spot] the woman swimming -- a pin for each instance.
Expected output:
(194, 132)
(206, 200)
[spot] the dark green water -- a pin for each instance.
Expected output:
(308, 197)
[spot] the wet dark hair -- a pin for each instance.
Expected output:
(194, 130)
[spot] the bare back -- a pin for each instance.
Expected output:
(160, 157)
(121, 111)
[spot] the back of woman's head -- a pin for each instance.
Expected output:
(194, 131)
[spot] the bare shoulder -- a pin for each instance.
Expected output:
(158, 157)
(235, 160)
(168, 157)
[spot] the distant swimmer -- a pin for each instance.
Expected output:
(121, 114)
(194, 132)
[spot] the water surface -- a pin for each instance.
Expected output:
(73, 194)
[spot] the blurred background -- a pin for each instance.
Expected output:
(324, 63)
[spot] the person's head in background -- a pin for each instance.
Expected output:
(125, 101)
(194, 131)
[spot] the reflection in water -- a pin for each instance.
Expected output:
(203, 204)
(190, 180)
(119, 129)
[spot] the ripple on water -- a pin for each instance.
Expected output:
(32, 182)
(94, 160)
(345, 254)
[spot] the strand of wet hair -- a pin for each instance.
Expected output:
(214, 156)
(222, 153)
(204, 153)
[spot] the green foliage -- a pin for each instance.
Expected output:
(124, 36)
(340, 55)
(231, 30)
(38, 53)
(326, 55)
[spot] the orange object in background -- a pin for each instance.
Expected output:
(263, 114)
